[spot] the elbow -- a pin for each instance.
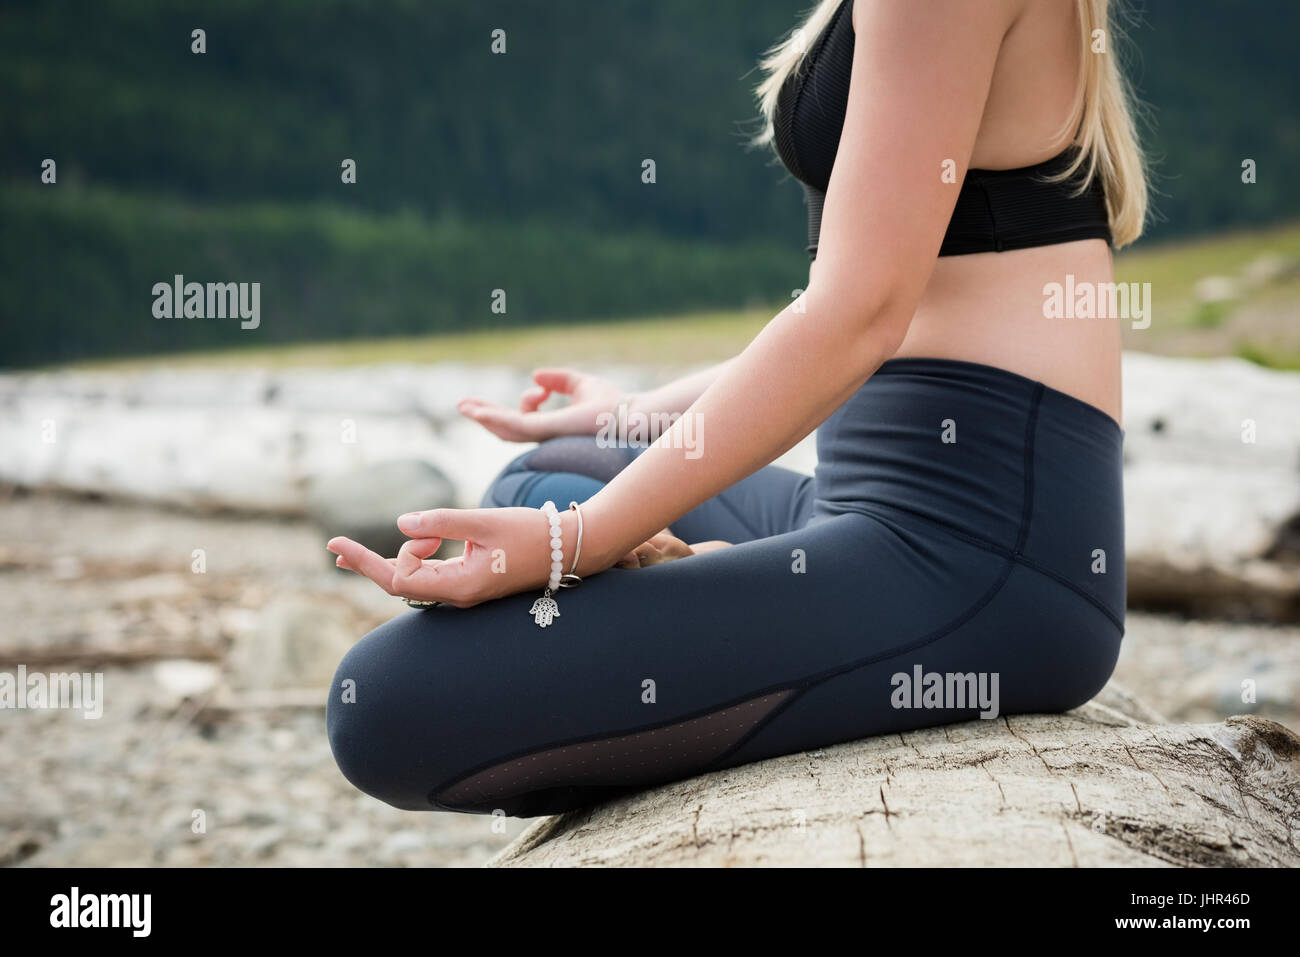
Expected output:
(884, 334)
(868, 326)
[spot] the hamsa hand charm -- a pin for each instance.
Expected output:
(545, 610)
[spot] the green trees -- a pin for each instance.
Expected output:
(478, 170)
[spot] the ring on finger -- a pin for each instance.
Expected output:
(416, 603)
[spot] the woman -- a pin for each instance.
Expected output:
(959, 551)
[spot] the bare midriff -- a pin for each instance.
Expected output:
(991, 308)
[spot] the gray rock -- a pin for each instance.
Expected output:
(403, 844)
(1268, 268)
(181, 678)
(296, 643)
(1216, 289)
(1199, 671)
(363, 504)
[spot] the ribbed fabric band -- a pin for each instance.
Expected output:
(996, 210)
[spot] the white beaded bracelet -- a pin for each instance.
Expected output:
(545, 610)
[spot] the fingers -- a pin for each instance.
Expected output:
(459, 524)
(661, 547)
(422, 583)
(455, 581)
(473, 407)
(647, 554)
(534, 397)
(414, 574)
(504, 423)
(564, 381)
(341, 562)
(363, 561)
(411, 556)
(712, 546)
(507, 423)
(529, 423)
(676, 548)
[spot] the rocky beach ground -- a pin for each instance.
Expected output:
(88, 586)
(97, 586)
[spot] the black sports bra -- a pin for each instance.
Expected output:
(996, 209)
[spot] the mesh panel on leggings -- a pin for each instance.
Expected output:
(631, 760)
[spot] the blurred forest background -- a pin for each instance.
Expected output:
(478, 171)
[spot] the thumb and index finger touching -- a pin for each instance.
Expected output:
(527, 422)
(548, 381)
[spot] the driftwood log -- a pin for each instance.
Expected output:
(1212, 486)
(1211, 478)
(1103, 785)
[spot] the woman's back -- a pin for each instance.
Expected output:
(989, 307)
(980, 305)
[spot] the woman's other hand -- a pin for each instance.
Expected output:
(664, 547)
(590, 398)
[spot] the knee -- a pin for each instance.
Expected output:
(573, 455)
(505, 488)
(374, 723)
(581, 455)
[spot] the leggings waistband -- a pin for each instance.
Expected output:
(992, 377)
(997, 458)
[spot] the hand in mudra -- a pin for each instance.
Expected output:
(478, 574)
(481, 573)
(589, 397)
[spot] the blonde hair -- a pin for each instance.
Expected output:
(1106, 134)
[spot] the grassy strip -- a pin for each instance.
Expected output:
(1172, 269)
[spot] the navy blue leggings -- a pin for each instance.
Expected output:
(959, 553)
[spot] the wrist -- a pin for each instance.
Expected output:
(574, 546)
(601, 548)
(631, 402)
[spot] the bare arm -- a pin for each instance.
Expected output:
(921, 75)
(592, 400)
(678, 395)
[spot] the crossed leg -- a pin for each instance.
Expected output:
(789, 640)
